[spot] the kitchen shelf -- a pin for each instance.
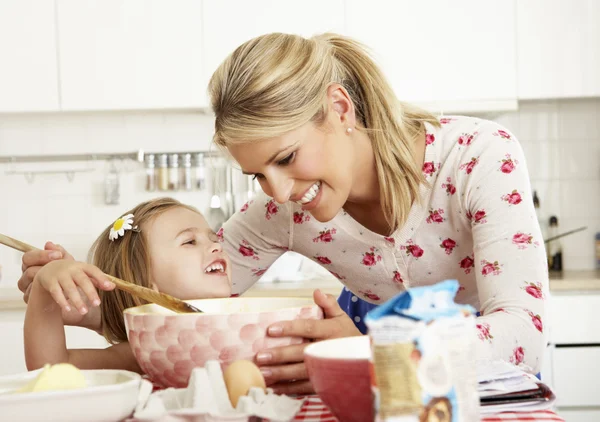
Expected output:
(135, 156)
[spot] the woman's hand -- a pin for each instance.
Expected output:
(283, 367)
(68, 279)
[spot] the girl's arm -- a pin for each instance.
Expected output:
(44, 329)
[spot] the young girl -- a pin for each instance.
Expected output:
(162, 244)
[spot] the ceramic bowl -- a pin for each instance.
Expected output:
(110, 395)
(168, 346)
(339, 372)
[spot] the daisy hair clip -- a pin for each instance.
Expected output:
(120, 225)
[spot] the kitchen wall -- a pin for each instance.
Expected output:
(561, 140)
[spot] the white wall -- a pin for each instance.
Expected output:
(561, 140)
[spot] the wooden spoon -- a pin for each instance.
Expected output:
(145, 293)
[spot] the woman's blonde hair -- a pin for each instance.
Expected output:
(277, 82)
(127, 258)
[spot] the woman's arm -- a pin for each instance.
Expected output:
(509, 253)
(254, 238)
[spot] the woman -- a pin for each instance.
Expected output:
(381, 193)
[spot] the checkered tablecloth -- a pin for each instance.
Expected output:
(314, 410)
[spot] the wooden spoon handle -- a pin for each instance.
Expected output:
(145, 293)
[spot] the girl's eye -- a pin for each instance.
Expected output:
(190, 242)
(287, 160)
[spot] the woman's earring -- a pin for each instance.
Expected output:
(349, 130)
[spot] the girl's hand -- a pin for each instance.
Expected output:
(65, 280)
(286, 372)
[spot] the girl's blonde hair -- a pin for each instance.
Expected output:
(127, 258)
(277, 82)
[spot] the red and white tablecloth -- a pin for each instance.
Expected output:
(314, 410)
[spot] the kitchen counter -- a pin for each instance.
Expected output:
(568, 282)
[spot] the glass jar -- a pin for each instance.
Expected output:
(163, 175)
(150, 173)
(173, 172)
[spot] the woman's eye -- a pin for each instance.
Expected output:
(287, 159)
(258, 176)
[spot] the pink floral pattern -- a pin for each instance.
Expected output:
(503, 134)
(446, 120)
(325, 236)
(470, 165)
(371, 258)
(429, 168)
(390, 240)
(323, 260)
(220, 235)
(248, 251)
(398, 277)
(369, 294)
(271, 209)
(466, 138)
(467, 264)
(534, 290)
(450, 188)
(246, 205)
(413, 250)
(508, 164)
(488, 267)
(513, 198)
(518, 356)
(258, 272)
(523, 240)
(478, 218)
(336, 275)
(484, 332)
(448, 245)
(435, 216)
(429, 138)
(536, 320)
(301, 217)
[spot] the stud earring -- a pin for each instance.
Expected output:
(349, 130)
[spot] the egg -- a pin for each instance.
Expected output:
(239, 377)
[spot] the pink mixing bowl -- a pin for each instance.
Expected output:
(168, 346)
(339, 372)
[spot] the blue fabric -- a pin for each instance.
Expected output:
(356, 308)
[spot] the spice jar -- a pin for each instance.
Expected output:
(150, 173)
(173, 172)
(200, 182)
(186, 180)
(163, 175)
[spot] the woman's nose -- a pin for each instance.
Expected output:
(281, 189)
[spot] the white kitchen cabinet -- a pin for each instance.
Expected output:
(449, 56)
(12, 359)
(229, 23)
(134, 54)
(28, 74)
(558, 46)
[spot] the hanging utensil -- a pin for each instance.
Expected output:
(565, 234)
(145, 293)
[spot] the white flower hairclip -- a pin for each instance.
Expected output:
(118, 228)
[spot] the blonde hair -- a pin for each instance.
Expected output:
(127, 258)
(277, 82)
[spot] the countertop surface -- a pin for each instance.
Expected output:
(568, 282)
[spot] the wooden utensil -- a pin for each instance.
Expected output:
(145, 293)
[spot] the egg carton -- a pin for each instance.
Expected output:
(206, 400)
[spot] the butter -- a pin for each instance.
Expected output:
(62, 376)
